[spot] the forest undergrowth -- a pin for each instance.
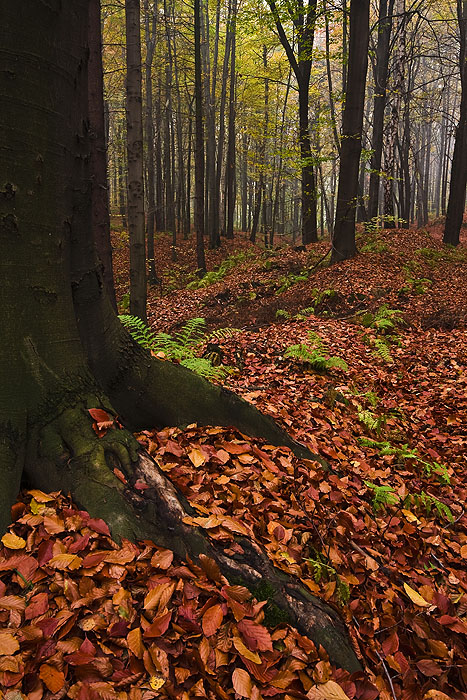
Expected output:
(382, 535)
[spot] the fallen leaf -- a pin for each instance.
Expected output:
(13, 541)
(241, 682)
(415, 597)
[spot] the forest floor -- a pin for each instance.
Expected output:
(382, 536)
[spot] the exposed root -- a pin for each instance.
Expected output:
(309, 614)
(100, 474)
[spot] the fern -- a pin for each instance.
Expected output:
(428, 502)
(322, 571)
(182, 346)
(315, 355)
(383, 496)
(192, 333)
(405, 452)
(221, 334)
(138, 330)
(381, 349)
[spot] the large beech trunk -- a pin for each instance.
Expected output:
(63, 349)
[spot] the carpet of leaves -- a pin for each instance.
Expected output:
(82, 617)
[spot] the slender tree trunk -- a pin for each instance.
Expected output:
(211, 138)
(332, 104)
(352, 125)
(398, 86)
(199, 145)
(244, 184)
(230, 169)
(135, 161)
(379, 104)
(456, 204)
(150, 38)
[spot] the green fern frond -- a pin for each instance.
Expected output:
(381, 349)
(191, 333)
(221, 333)
(181, 346)
(383, 496)
(337, 362)
(138, 330)
(203, 367)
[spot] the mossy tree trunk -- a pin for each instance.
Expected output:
(62, 348)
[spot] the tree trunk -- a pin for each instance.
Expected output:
(134, 102)
(304, 21)
(456, 203)
(352, 124)
(199, 145)
(230, 162)
(150, 37)
(381, 80)
(99, 190)
(62, 345)
(397, 89)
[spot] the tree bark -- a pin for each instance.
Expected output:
(134, 104)
(230, 161)
(99, 190)
(304, 21)
(352, 124)
(379, 104)
(456, 203)
(391, 140)
(199, 145)
(150, 27)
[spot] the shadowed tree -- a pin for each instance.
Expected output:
(134, 117)
(303, 18)
(456, 204)
(343, 240)
(63, 350)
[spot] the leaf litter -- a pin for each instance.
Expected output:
(381, 536)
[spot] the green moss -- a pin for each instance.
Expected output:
(273, 614)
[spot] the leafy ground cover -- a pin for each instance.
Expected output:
(382, 536)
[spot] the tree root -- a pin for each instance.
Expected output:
(100, 474)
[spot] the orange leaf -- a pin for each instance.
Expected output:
(212, 620)
(210, 568)
(8, 644)
(244, 651)
(12, 602)
(327, 691)
(196, 457)
(65, 561)
(99, 415)
(13, 541)
(162, 559)
(52, 677)
(241, 682)
(135, 642)
(255, 636)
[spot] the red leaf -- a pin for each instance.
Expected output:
(99, 415)
(255, 636)
(159, 625)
